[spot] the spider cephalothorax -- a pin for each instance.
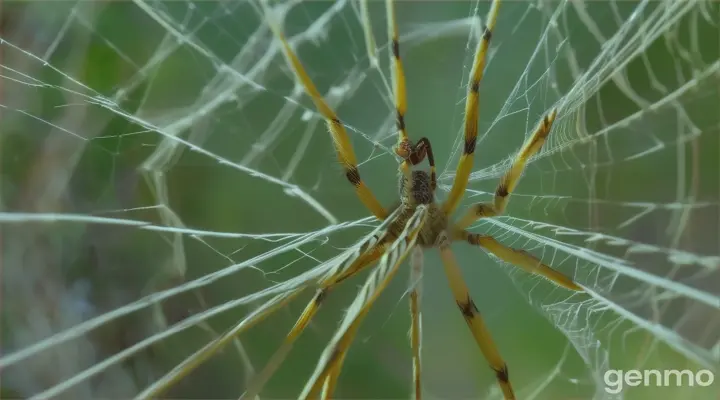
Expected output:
(419, 191)
(431, 229)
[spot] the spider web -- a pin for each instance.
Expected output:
(163, 178)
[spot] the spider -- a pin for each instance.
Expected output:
(418, 221)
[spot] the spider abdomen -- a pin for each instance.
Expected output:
(435, 224)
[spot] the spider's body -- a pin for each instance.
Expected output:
(419, 221)
(412, 194)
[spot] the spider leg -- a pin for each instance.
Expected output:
(411, 153)
(404, 147)
(333, 375)
(474, 213)
(416, 266)
(334, 372)
(199, 357)
(415, 331)
(471, 114)
(519, 258)
(340, 138)
(509, 181)
(530, 148)
(512, 176)
(366, 253)
(332, 358)
(366, 259)
(475, 321)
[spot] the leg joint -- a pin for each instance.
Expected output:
(502, 374)
(353, 175)
(468, 308)
(470, 145)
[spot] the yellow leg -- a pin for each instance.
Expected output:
(475, 321)
(465, 164)
(369, 258)
(512, 176)
(416, 264)
(333, 375)
(199, 357)
(365, 260)
(332, 358)
(404, 146)
(474, 213)
(412, 154)
(521, 259)
(341, 140)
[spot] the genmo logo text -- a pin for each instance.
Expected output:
(616, 380)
